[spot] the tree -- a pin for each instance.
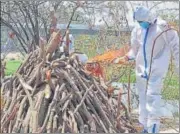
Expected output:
(28, 20)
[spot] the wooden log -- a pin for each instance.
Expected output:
(19, 114)
(74, 123)
(50, 121)
(26, 87)
(35, 112)
(26, 121)
(78, 118)
(55, 126)
(82, 101)
(51, 106)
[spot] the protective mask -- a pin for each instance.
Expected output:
(144, 25)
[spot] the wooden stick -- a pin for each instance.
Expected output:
(84, 97)
(26, 87)
(51, 106)
(19, 114)
(55, 127)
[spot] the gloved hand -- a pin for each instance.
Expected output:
(120, 60)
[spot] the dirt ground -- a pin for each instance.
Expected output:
(167, 126)
(170, 131)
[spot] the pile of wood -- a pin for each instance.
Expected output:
(59, 96)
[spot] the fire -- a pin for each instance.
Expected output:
(96, 69)
(94, 65)
(110, 55)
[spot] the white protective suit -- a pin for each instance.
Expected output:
(82, 57)
(142, 43)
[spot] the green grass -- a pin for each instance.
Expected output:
(12, 66)
(171, 88)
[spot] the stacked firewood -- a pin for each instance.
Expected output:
(49, 95)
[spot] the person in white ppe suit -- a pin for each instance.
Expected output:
(153, 70)
(82, 57)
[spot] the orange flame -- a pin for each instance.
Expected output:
(97, 69)
(110, 55)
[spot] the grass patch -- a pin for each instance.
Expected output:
(171, 88)
(12, 66)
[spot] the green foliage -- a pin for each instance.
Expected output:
(171, 86)
(12, 66)
(86, 44)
